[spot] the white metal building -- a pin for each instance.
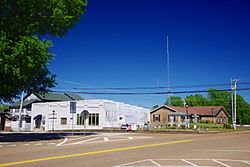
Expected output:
(102, 114)
(24, 124)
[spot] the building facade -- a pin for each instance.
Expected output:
(26, 112)
(165, 115)
(102, 114)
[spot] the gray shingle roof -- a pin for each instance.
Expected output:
(51, 96)
(17, 104)
(48, 97)
(74, 96)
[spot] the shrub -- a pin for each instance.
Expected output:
(205, 122)
(227, 126)
(183, 126)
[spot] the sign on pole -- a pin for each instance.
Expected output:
(72, 107)
(73, 111)
(85, 114)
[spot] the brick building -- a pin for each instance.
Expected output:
(163, 115)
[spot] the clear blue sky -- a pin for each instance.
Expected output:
(122, 43)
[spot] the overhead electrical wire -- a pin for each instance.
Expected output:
(148, 93)
(159, 87)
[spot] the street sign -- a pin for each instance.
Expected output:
(72, 107)
(85, 114)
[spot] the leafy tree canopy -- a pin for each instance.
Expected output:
(24, 56)
(174, 101)
(224, 98)
(196, 100)
(3, 108)
(218, 97)
(243, 110)
(54, 17)
(155, 106)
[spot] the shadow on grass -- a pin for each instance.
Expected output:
(26, 137)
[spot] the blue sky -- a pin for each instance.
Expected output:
(122, 43)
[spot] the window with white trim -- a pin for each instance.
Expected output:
(80, 120)
(63, 121)
(156, 117)
(93, 119)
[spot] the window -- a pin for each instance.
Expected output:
(63, 121)
(27, 119)
(225, 120)
(94, 119)
(80, 120)
(221, 120)
(18, 110)
(156, 118)
(171, 118)
(217, 120)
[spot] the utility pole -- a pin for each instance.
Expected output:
(53, 123)
(20, 113)
(234, 87)
(187, 116)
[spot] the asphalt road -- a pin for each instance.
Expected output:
(131, 149)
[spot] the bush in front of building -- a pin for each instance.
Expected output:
(206, 121)
(210, 126)
(227, 126)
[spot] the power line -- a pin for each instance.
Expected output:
(159, 87)
(148, 93)
(145, 88)
(122, 88)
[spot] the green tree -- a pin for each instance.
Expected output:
(242, 110)
(217, 97)
(3, 108)
(24, 55)
(196, 100)
(221, 98)
(224, 98)
(174, 101)
(155, 106)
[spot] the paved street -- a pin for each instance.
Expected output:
(131, 149)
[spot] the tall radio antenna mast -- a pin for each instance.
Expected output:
(168, 72)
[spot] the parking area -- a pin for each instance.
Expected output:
(133, 149)
(76, 139)
(99, 139)
(187, 163)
